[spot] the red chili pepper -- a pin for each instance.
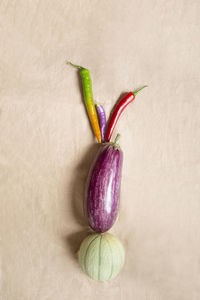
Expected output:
(118, 110)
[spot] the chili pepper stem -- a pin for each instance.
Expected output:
(136, 92)
(75, 66)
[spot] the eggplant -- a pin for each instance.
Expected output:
(102, 193)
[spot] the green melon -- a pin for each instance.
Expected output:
(101, 256)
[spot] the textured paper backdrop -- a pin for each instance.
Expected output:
(46, 145)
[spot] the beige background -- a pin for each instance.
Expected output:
(46, 145)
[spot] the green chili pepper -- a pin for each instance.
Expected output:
(88, 96)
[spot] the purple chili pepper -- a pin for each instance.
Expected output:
(102, 120)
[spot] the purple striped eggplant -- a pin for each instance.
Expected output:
(102, 192)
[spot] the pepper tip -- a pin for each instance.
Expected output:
(136, 92)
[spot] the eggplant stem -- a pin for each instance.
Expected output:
(117, 139)
(115, 143)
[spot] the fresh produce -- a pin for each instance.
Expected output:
(88, 96)
(102, 120)
(128, 98)
(103, 187)
(101, 256)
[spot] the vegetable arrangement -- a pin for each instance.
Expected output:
(101, 255)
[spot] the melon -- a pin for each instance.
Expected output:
(101, 256)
